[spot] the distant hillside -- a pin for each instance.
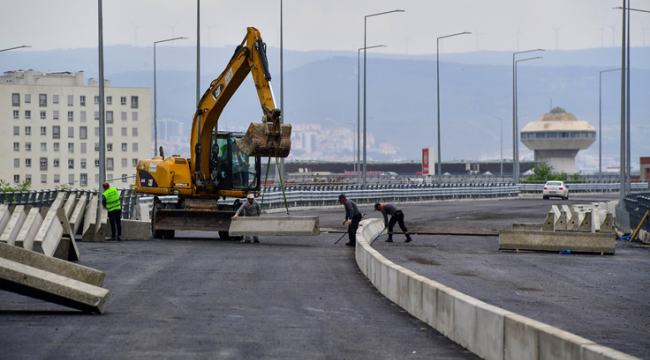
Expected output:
(321, 88)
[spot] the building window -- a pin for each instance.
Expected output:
(96, 115)
(55, 163)
(71, 179)
(15, 99)
(16, 130)
(83, 132)
(16, 162)
(43, 178)
(28, 130)
(83, 163)
(109, 164)
(42, 99)
(135, 147)
(96, 100)
(109, 147)
(16, 114)
(70, 148)
(82, 100)
(55, 99)
(43, 162)
(70, 163)
(83, 147)
(43, 130)
(55, 147)
(43, 147)
(83, 181)
(71, 132)
(134, 116)
(109, 177)
(82, 116)
(125, 132)
(43, 115)
(109, 117)
(16, 179)
(123, 115)
(96, 162)
(28, 177)
(16, 146)
(57, 178)
(109, 100)
(124, 146)
(96, 146)
(124, 177)
(109, 131)
(134, 132)
(70, 115)
(134, 102)
(56, 132)
(28, 98)
(123, 100)
(70, 100)
(55, 115)
(134, 162)
(124, 163)
(28, 146)
(97, 131)
(28, 162)
(28, 114)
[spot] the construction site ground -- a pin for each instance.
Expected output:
(304, 297)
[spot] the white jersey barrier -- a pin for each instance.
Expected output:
(488, 331)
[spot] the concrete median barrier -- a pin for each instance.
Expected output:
(488, 331)
(14, 225)
(90, 219)
(5, 215)
(76, 218)
(557, 241)
(28, 231)
(136, 230)
(275, 225)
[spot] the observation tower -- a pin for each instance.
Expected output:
(556, 139)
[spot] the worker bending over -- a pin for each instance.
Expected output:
(396, 216)
(354, 215)
(250, 208)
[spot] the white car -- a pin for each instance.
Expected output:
(555, 189)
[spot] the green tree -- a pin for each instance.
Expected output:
(542, 172)
(23, 186)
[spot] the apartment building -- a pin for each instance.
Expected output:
(50, 130)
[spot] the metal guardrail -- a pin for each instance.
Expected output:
(44, 198)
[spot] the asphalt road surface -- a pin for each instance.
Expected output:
(304, 297)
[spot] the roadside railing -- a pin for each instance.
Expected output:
(585, 187)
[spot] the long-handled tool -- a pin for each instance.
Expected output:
(373, 240)
(337, 241)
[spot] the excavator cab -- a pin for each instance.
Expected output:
(230, 166)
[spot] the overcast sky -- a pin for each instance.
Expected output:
(326, 24)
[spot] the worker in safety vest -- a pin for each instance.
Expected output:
(111, 202)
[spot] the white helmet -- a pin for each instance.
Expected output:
(251, 196)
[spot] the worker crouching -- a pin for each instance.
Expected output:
(352, 217)
(250, 208)
(396, 216)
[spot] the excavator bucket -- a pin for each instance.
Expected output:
(261, 139)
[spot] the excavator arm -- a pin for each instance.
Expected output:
(270, 138)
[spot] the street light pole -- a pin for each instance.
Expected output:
(501, 120)
(358, 173)
(438, 97)
(365, 46)
(600, 129)
(515, 153)
(155, 108)
(17, 47)
(517, 119)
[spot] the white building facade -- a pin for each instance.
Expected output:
(50, 130)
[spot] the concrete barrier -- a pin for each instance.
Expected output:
(28, 231)
(90, 219)
(5, 215)
(40, 284)
(14, 225)
(49, 234)
(69, 205)
(275, 225)
(488, 331)
(101, 225)
(557, 241)
(76, 218)
(136, 230)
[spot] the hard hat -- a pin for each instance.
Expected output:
(342, 196)
(377, 205)
(251, 196)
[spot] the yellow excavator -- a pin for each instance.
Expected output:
(222, 164)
